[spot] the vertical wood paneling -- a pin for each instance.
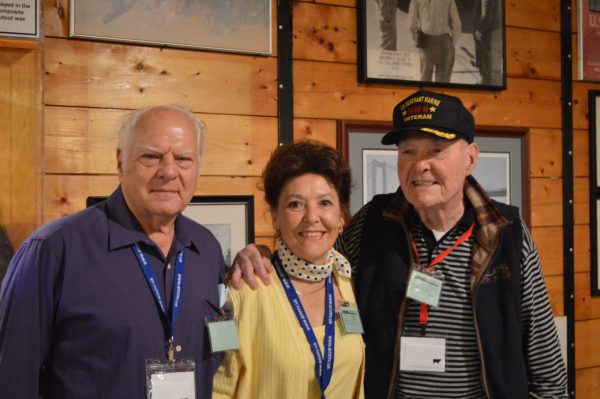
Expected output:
(20, 134)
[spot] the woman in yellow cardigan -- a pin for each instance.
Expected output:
(299, 336)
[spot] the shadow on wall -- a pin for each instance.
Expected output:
(6, 253)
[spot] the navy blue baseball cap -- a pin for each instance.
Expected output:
(436, 114)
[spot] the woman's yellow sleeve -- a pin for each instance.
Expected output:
(226, 378)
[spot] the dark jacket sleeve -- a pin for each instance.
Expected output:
(26, 317)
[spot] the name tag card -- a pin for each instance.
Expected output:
(422, 354)
(170, 380)
(222, 332)
(424, 288)
(351, 320)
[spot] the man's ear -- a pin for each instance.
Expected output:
(473, 155)
(119, 163)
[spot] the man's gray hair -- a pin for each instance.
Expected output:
(129, 126)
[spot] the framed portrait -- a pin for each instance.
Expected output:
(230, 218)
(594, 148)
(588, 39)
(242, 26)
(436, 43)
(502, 168)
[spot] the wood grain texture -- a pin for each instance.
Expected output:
(587, 350)
(549, 242)
(544, 15)
(587, 383)
(582, 248)
(56, 18)
(541, 61)
(20, 134)
(316, 129)
(546, 162)
(105, 75)
(554, 284)
(318, 83)
(546, 202)
(84, 140)
(581, 158)
(324, 33)
(586, 306)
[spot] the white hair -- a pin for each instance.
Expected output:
(126, 132)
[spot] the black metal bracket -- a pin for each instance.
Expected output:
(285, 83)
(567, 174)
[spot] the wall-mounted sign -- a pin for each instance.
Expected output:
(20, 18)
(588, 39)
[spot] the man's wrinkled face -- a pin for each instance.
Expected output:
(432, 171)
(160, 172)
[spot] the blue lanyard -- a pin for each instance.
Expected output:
(177, 294)
(323, 367)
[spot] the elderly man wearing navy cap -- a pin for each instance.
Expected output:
(448, 281)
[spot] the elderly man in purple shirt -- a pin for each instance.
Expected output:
(94, 303)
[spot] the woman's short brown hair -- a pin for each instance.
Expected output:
(308, 156)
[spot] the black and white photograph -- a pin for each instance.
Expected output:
(438, 43)
(493, 173)
(379, 173)
(229, 217)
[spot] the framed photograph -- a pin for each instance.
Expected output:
(594, 148)
(588, 39)
(502, 168)
(242, 26)
(229, 217)
(437, 43)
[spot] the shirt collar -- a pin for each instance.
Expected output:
(125, 230)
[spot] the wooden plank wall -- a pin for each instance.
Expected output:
(20, 138)
(89, 86)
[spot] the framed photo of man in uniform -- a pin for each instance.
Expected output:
(432, 42)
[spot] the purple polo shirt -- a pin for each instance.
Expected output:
(78, 320)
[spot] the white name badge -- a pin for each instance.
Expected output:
(170, 380)
(222, 332)
(422, 354)
(424, 288)
(351, 320)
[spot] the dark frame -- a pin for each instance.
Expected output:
(234, 210)
(500, 138)
(594, 147)
(401, 66)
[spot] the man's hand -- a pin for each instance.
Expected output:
(251, 261)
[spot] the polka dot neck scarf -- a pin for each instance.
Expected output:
(296, 267)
